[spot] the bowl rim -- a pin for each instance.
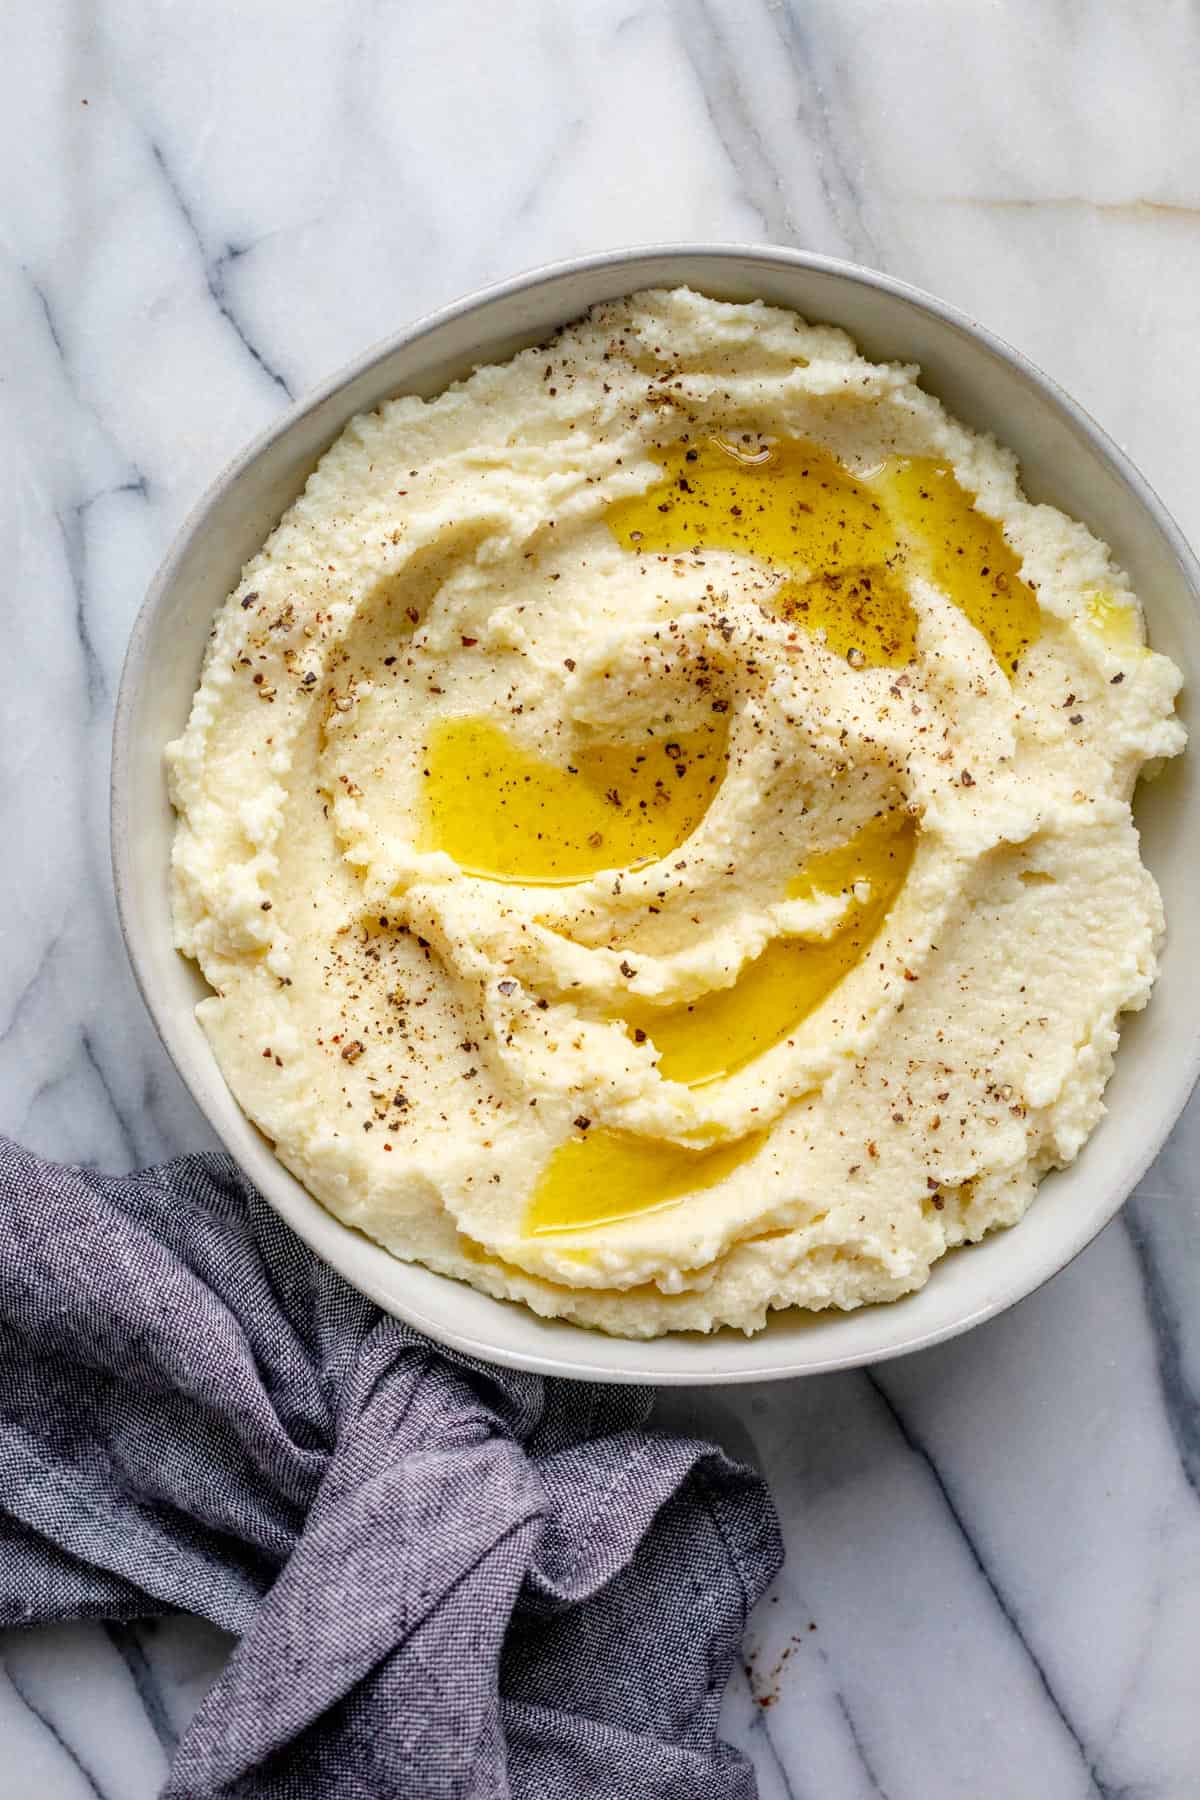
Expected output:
(408, 336)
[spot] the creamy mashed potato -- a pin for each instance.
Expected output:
(656, 824)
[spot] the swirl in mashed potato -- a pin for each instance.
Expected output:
(656, 823)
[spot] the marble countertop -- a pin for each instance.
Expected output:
(993, 1584)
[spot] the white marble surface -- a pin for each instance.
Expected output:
(993, 1586)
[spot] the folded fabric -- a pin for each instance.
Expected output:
(449, 1582)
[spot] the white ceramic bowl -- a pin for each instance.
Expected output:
(1065, 459)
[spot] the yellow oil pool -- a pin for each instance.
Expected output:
(792, 505)
(506, 814)
(724, 1030)
(604, 1177)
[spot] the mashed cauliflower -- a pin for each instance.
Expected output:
(656, 824)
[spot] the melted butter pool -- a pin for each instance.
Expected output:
(793, 506)
(964, 553)
(724, 1030)
(1116, 621)
(509, 815)
(606, 1177)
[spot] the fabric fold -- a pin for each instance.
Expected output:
(448, 1581)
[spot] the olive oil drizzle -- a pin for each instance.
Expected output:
(846, 546)
(846, 542)
(506, 814)
(724, 1030)
(608, 1177)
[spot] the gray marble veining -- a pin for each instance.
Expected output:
(993, 1586)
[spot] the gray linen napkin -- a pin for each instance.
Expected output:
(450, 1582)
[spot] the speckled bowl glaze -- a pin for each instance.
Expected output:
(1065, 460)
